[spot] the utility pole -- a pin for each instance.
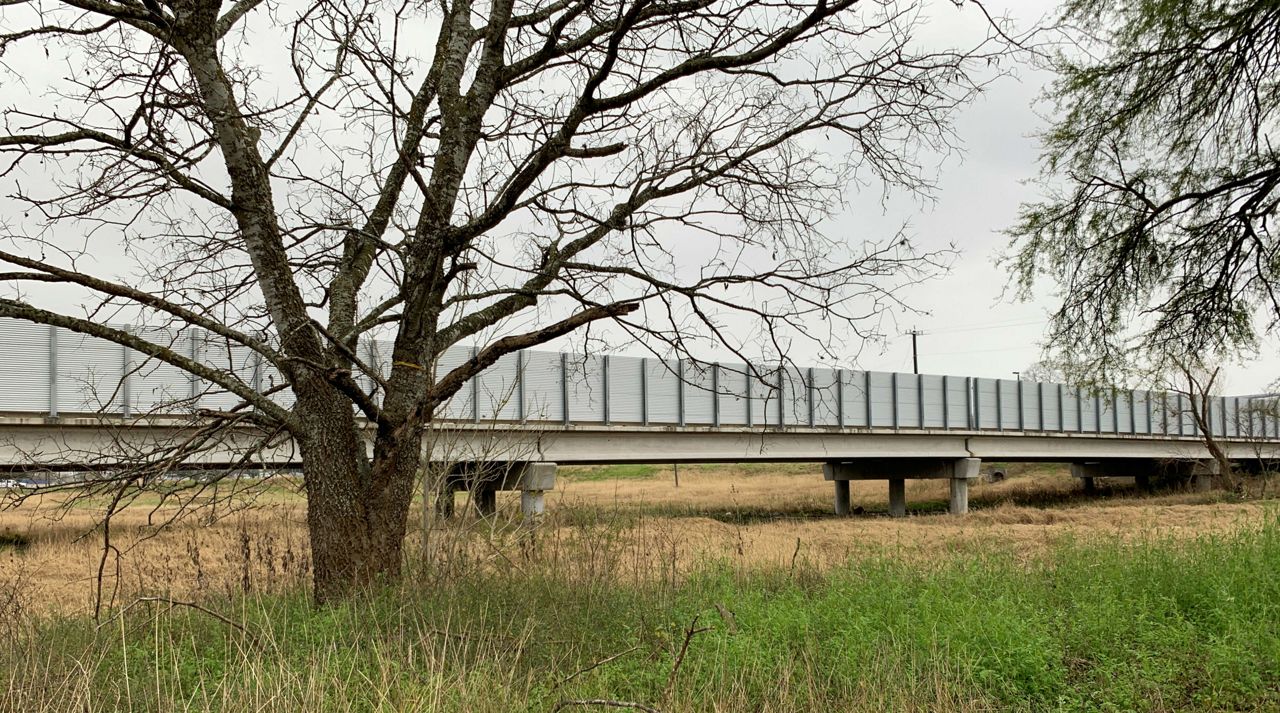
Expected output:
(915, 351)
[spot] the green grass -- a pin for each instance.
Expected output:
(609, 472)
(1093, 626)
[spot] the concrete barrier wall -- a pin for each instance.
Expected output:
(56, 372)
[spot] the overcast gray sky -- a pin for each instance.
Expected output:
(970, 327)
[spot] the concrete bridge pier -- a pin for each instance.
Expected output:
(484, 480)
(959, 471)
(897, 497)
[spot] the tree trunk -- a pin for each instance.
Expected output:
(356, 512)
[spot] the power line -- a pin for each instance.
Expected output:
(993, 325)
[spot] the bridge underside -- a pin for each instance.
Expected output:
(507, 456)
(35, 443)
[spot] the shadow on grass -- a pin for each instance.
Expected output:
(1104, 495)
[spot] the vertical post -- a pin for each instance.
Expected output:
(1164, 413)
(1079, 410)
(644, 391)
(53, 371)
(893, 387)
(604, 380)
(840, 398)
(1022, 409)
(1062, 416)
(1222, 405)
(564, 388)
(1115, 413)
(746, 375)
(196, 339)
(897, 497)
(808, 387)
(1146, 398)
(959, 501)
(1097, 413)
(520, 405)
(841, 497)
(475, 389)
(782, 395)
(999, 405)
(866, 379)
(371, 356)
(126, 366)
(920, 400)
(679, 392)
(946, 411)
(715, 394)
(1040, 402)
(971, 418)
(1133, 414)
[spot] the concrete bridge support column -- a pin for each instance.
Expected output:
(1139, 469)
(485, 498)
(485, 479)
(842, 497)
(964, 471)
(1202, 476)
(897, 497)
(533, 481)
(959, 471)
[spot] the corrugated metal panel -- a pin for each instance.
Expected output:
(499, 388)
(89, 372)
(699, 399)
(826, 397)
(985, 396)
(958, 402)
(908, 401)
(586, 388)
(796, 396)
(233, 359)
(1121, 413)
(733, 394)
(663, 387)
(855, 399)
(25, 366)
(934, 416)
(1030, 420)
(1008, 404)
(624, 389)
(155, 386)
(459, 405)
(542, 386)
(882, 400)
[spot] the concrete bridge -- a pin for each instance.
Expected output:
(70, 402)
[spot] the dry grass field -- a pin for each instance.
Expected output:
(738, 590)
(756, 516)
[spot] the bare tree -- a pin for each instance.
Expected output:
(294, 176)
(1198, 382)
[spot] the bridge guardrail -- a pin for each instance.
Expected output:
(57, 372)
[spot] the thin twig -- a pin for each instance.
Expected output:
(606, 703)
(593, 666)
(689, 633)
(253, 638)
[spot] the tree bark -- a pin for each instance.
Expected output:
(357, 511)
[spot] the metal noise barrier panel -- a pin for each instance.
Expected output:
(57, 372)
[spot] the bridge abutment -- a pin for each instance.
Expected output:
(959, 471)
